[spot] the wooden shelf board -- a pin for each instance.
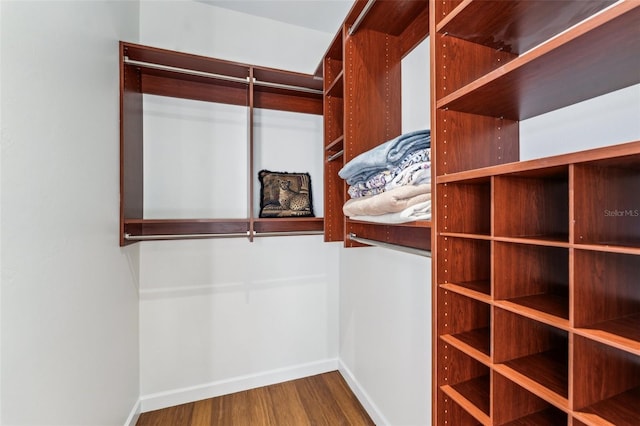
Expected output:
(336, 145)
(415, 224)
(478, 290)
(336, 88)
(474, 393)
(221, 226)
(622, 333)
(415, 235)
(467, 405)
(478, 339)
(466, 235)
(515, 26)
(549, 417)
(624, 152)
(170, 58)
(628, 247)
(539, 240)
(300, 224)
(469, 350)
(587, 61)
(289, 78)
(549, 370)
(392, 20)
(548, 308)
(622, 410)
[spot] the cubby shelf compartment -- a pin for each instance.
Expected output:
(466, 324)
(533, 281)
(468, 383)
(515, 406)
(558, 275)
(607, 207)
(533, 354)
(466, 207)
(533, 205)
(607, 298)
(559, 72)
(606, 384)
(465, 263)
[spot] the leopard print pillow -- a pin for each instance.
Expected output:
(284, 194)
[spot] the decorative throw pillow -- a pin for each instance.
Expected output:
(285, 194)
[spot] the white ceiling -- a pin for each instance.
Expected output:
(321, 15)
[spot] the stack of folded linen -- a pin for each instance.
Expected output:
(392, 182)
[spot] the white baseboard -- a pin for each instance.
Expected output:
(362, 395)
(170, 398)
(133, 415)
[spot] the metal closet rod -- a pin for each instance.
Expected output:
(360, 18)
(336, 155)
(220, 76)
(398, 247)
(130, 237)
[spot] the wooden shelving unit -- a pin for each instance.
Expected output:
(362, 106)
(536, 302)
(149, 70)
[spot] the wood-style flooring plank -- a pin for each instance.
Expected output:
(319, 400)
(353, 412)
(287, 406)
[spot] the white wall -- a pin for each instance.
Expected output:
(385, 333)
(69, 335)
(218, 316)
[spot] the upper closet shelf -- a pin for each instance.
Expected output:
(598, 57)
(516, 26)
(176, 74)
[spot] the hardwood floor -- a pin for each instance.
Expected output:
(324, 399)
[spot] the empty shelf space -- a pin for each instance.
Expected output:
(610, 392)
(612, 218)
(515, 405)
(480, 290)
(465, 207)
(623, 333)
(621, 410)
(475, 391)
(532, 277)
(465, 322)
(548, 308)
(547, 417)
(560, 72)
(534, 351)
(549, 369)
(478, 340)
(533, 206)
(611, 278)
(515, 26)
(464, 260)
